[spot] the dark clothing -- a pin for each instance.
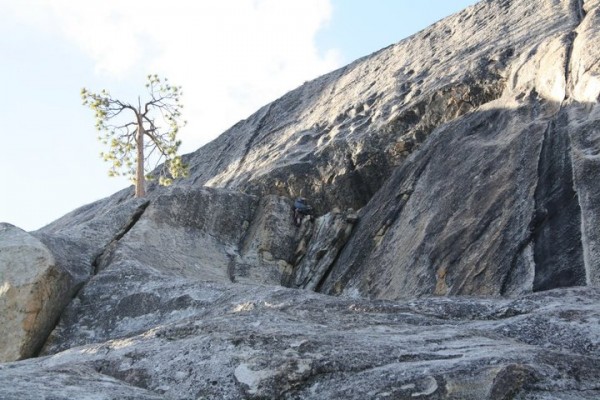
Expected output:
(302, 207)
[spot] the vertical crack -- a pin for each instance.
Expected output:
(556, 226)
(580, 16)
(342, 237)
(569, 55)
(397, 190)
(580, 10)
(95, 267)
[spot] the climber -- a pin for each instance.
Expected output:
(301, 209)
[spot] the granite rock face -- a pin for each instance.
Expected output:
(470, 152)
(156, 336)
(338, 138)
(201, 234)
(469, 147)
(499, 201)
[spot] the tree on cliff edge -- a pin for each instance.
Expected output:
(140, 136)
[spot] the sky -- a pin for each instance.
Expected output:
(230, 56)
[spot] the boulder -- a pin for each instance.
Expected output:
(211, 234)
(33, 293)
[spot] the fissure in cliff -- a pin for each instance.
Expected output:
(556, 234)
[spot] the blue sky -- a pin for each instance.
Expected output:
(231, 57)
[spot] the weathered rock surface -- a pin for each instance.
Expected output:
(31, 293)
(338, 138)
(470, 145)
(207, 234)
(40, 273)
(499, 201)
(78, 239)
(181, 340)
(471, 150)
(319, 248)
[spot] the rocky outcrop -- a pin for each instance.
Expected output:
(583, 130)
(338, 138)
(154, 335)
(79, 239)
(469, 147)
(494, 203)
(31, 293)
(205, 234)
(470, 151)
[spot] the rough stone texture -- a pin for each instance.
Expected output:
(31, 293)
(469, 146)
(338, 138)
(472, 148)
(182, 340)
(265, 254)
(319, 249)
(67, 382)
(187, 233)
(584, 132)
(495, 201)
(211, 234)
(78, 239)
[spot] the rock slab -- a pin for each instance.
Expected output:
(159, 336)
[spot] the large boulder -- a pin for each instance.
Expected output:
(32, 293)
(211, 234)
(41, 272)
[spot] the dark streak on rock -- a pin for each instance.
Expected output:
(556, 226)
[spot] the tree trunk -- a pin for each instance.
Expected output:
(140, 179)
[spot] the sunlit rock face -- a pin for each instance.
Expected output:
(339, 137)
(460, 161)
(470, 148)
(31, 289)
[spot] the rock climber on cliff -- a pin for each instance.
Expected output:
(301, 209)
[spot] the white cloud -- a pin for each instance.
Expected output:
(230, 56)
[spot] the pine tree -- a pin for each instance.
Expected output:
(140, 136)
